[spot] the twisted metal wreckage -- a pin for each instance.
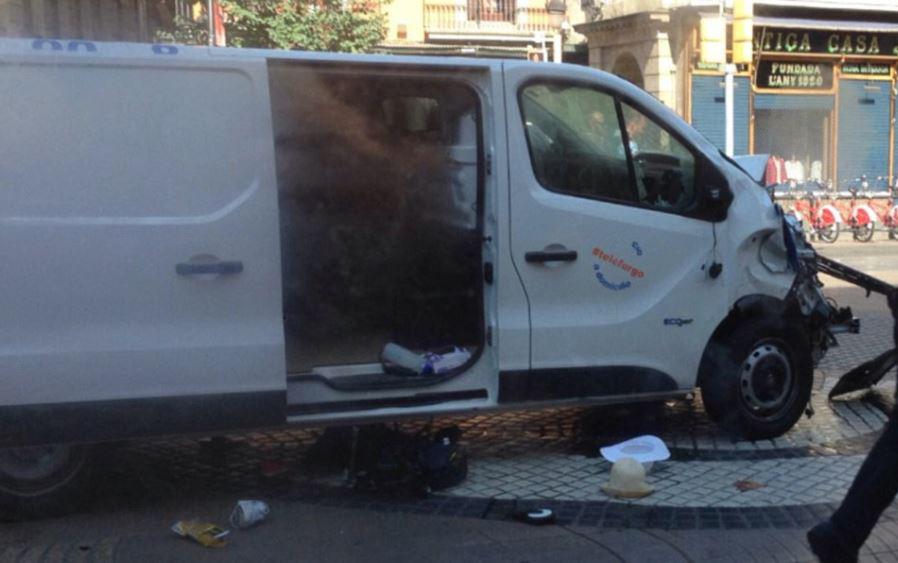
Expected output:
(871, 372)
(823, 315)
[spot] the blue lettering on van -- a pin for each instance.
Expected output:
(637, 248)
(165, 49)
(38, 44)
(608, 284)
(677, 322)
(75, 46)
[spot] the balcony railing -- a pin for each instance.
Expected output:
(484, 16)
(491, 10)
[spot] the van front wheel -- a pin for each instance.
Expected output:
(757, 382)
(42, 480)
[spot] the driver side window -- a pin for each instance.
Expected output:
(665, 169)
(575, 141)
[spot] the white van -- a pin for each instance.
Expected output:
(201, 240)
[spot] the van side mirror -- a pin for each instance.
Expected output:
(716, 202)
(715, 192)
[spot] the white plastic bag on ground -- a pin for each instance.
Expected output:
(644, 449)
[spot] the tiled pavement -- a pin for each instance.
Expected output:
(551, 456)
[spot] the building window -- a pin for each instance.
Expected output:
(797, 131)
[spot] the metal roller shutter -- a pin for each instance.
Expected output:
(708, 108)
(863, 129)
(789, 101)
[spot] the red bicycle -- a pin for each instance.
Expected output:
(890, 217)
(862, 218)
(822, 219)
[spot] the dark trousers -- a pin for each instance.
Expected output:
(873, 489)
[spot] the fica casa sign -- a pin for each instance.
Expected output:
(770, 40)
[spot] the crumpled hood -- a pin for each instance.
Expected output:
(754, 164)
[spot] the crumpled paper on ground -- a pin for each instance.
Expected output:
(205, 534)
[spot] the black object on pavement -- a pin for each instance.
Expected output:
(381, 458)
(536, 516)
(866, 375)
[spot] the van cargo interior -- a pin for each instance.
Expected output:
(380, 210)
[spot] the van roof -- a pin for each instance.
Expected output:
(80, 48)
(66, 49)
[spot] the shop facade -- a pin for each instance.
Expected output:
(820, 94)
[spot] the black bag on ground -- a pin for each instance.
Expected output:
(388, 459)
(444, 462)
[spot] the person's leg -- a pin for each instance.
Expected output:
(873, 489)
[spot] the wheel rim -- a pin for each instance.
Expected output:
(829, 232)
(36, 469)
(766, 380)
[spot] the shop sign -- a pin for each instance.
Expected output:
(866, 68)
(701, 65)
(791, 75)
(772, 40)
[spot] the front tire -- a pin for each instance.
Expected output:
(757, 380)
(43, 480)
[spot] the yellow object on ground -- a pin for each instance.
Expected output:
(208, 535)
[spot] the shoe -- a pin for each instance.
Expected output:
(827, 547)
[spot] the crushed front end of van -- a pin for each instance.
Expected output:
(757, 372)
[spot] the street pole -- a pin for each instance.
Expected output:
(210, 15)
(728, 71)
(728, 86)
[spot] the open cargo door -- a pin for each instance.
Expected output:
(381, 183)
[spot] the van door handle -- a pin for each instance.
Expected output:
(537, 256)
(199, 268)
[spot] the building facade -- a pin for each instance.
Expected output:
(494, 28)
(490, 28)
(99, 20)
(820, 93)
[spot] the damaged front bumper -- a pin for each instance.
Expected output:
(823, 317)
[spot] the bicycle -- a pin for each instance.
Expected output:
(862, 218)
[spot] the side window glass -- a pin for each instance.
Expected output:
(665, 169)
(575, 141)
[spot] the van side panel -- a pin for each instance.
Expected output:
(139, 231)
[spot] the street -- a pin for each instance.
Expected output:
(518, 460)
